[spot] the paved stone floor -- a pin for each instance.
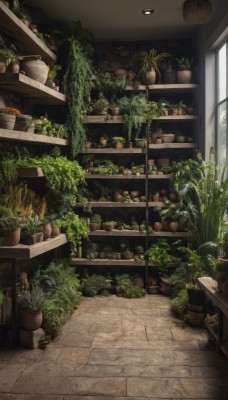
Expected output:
(115, 348)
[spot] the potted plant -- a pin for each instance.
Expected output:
(103, 141)
(184, 73)
(24, 123)
(32, 231)
(30, 308)
(100, 106)
(223, 244)
(55, 227)
(95, 222)
(118, 197)
(148, 65)
(168, 137)
(11, 230)
(118, 142)
(6, 56)
(8, 117)
(46, 228)
(23, 15)
(114, 109)
(108, 225)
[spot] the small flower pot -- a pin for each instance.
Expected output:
(129, 145)
(156, 197)
(168, 137)
(88, 145)
(7, 121)
(14, 67)
(108, 226)
(47, 231)
(103, 142)
(158, 141)
(118, 145)
(128, 255)
(3, 66)
(30, 321)
(55, 231)
(134, 194)
(114, 110)
(180, 139)
(174, 226)
(157, 226)
(184, 76)
(11, 238)
(101, 111)
(118, 197)
(94, 226)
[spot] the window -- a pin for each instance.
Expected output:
(222, 105)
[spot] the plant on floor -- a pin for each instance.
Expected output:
(125, 283)
(179, 303)
(93, 285)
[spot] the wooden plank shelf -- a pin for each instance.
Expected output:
(172, 146)
(32, 172)
(25, 252)
(101, 119)
(107, 262)
(173, 88)
(218, 298)
(128, 177)
(26, 41)
(171, 234)
(174, 118)
(116, 232)
(26, 87)
(106, 150)
(115, 204)
(131, 88)
(26, 137)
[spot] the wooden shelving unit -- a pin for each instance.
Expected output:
(166, 146)
(26, 137)
(27, 42)
(115, 204)
(127, 177)
(101, 119)
(36, 92)
(221, 302)
(178, 118)
(113, 151)
(25, 252)
(107, 262)
(116, 232)
(173, 88)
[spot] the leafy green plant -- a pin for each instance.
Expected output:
(118, 139)
(76, 229)
(95, 219)
(7, 54)
(93, 285)
(159, 252)
(125, 284)
(179, 303)
(77, 86)
(101, 102)
(184, 63)
(108, 82)
(150, 60)
(32, 300)
(21, 13)
(33, 225)
(5, 212)
(53, 71)
(10, 223)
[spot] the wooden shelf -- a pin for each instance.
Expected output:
(130, 88)
(27, 42)
(173, 88)
(26, 87)
(122, 177)
(22, 251)
(128, 177)
(116, 232)
(113, 151)
(26, 137)
(171, 234)
(218, 298)
(101, 119)
(32, 172)
(177, 118)
(106, 261)
(172, 146)
(115, 204)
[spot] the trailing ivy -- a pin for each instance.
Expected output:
(77, 85)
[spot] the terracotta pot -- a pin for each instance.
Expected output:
(163, 162)
(134, 194)
(131, 75)
(3, 67)
(114, 110)
(118, 145)
(118, 197)
(184, 76)
(174, 111)
(47, 231)
(11, 238)
(168, 137)
(172, 196)
(14, 67)
(174, 226)
(157, 226)
(31, 321)
(127, 255)
(94, 226)
(101, 111)
(156, 197)
(55, 231)
(158, 141)
(7, 121)
(88, 144)
(108, 227)
(148, 78)
(180, 138)
(103, 142)
(35, 68)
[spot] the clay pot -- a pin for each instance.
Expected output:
(127, 255)
(157, 226)
(158, 141)
(103, 142)
(134, 194)
(174, 226)
(3, 67)
(14, 67)
(180, 138)
(88, 144)
(31, 321)
(129, 145)
(94, 226)
(55, 231)
(156, 197)
(163, 162)
(175, 111)
(108, 227)
(184, 76)
(114, 110)
(7, 121)
(11, 238)
(24, 124)
(118, 197)
(29, 239)
(35, 68)
(168, 137)
(101, 111)
(172, 196)
(149, 77)
(47, 231)
(131, 75)
(118, 145)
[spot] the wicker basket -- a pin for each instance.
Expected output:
(197, 11)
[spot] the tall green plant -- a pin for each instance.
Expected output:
(77, 85)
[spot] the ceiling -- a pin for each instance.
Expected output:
(123, 19)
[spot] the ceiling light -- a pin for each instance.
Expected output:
(148, 11)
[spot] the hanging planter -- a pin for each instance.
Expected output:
(197, 11)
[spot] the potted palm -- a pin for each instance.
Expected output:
(11, 231)
(30, 308)
(184, 73)
(32, 231)
(148, 63)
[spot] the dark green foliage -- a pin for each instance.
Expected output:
(93, 285)
(126, 285)
(76, 229)
(180, 302)
(32, 300)
(77, 86)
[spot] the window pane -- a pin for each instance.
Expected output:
(222, 73)
(222, 135)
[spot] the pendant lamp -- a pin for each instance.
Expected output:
(197, 11)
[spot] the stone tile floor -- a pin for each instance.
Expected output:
(115, 348)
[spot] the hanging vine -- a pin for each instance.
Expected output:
(77, 86)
